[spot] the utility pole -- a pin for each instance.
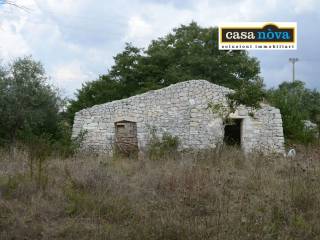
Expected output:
(293, 61)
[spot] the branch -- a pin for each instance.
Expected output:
(11, 3)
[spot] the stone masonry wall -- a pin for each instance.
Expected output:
(181, 110)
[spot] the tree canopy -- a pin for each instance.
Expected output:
(296, 104)
(28, 104)
(189, 52)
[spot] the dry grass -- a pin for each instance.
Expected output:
(209, 195)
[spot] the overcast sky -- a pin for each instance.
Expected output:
(76, 40)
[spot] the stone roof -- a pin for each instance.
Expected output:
(186, 85)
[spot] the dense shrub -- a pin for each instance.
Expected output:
(297, 104)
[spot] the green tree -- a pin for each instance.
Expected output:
(311, 103)
(296, 104)
(29, 106)
(189, 52)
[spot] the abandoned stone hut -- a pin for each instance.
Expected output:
(180, 110)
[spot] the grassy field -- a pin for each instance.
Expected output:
(209, 195)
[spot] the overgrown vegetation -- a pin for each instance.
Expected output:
(206, 195)
(164, 147)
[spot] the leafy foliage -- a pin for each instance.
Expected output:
(189, 52)
(296, 104)
(29, 106)
(166, 146)
(223, 111)
(250, 94)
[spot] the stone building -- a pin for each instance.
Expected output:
(180, 110)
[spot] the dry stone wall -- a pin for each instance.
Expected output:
(181, 110)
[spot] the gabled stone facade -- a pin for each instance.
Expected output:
(180, 110)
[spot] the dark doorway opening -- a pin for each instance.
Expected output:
(232, 132)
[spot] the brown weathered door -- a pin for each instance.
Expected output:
(126, 136)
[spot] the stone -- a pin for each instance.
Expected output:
(180, 110)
